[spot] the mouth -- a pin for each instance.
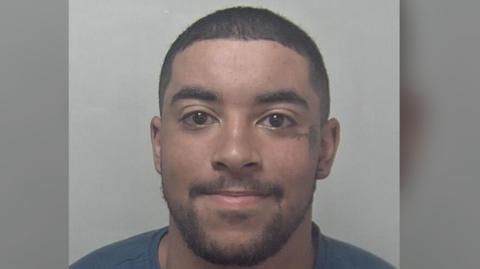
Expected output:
(236, 198)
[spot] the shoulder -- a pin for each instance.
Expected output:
(134, 250)
(341, 255)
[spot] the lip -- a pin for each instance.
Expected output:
(236, 198)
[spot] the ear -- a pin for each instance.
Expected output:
(155, 125)
(329, 143)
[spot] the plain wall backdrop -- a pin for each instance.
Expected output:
(116, 49)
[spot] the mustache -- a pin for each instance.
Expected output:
(259, 187)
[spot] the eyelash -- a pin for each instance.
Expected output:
(189, 121)
(189, 117)
(291, 122)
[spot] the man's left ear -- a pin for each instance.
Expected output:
(330, 137)
(155, 125)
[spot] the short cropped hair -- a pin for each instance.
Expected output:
(247, 23)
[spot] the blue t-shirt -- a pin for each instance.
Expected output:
(141, 252)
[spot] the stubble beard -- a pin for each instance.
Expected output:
(272, 238)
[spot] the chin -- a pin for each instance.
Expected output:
(234, 236)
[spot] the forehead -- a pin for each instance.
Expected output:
(240, 69)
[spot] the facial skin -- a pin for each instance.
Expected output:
(239, 147)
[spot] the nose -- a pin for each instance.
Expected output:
(235, 151)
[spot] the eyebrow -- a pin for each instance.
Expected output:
(197, 93)
(281, 96)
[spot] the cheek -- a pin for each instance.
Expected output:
(183, 162)
(293, 165)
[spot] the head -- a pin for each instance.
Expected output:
(243, 133)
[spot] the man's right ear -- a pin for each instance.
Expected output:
(155, 125)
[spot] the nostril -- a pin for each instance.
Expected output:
(219, 166)
(250, 164)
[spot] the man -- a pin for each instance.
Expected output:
(243, 135)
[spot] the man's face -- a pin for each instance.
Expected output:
(238, 147)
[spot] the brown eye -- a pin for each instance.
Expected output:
(198, 119)
(276, 121)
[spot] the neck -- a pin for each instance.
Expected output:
(297, 252)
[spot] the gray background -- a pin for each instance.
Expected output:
(115, 52)
(440, 220)
(33, 134)
(440, 196)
